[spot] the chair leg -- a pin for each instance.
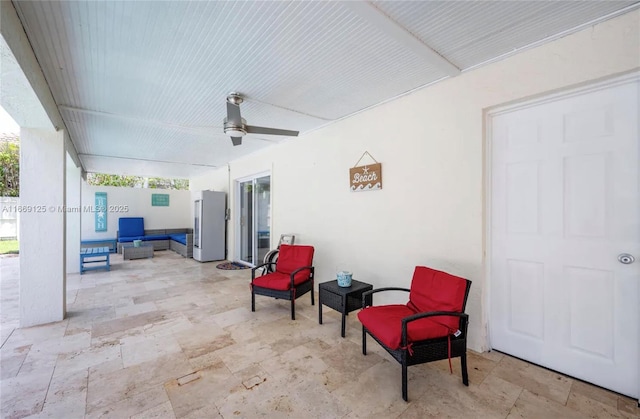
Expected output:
(313, 301)
(364, 341)
(463, 366)
(404, 382)
(253, 301)
(293, 308)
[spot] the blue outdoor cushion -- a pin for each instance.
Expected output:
(129, 239)
(155, 237)
(131, 226)
(180, 238)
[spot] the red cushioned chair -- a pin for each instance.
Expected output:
(430, 327)
(292, 277)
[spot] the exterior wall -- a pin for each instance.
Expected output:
(431, 210)
(138, 201)
(216, 180)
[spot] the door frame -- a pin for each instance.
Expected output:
(237, 228)
(489, 113)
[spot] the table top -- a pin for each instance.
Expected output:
(356, 286)
(143, 244)
(94, 250)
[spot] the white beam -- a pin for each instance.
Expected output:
(205, 131)
(152, 122)
(382, 22)
(139, 159)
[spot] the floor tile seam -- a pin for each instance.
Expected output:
(488, 373)
(515, 402)
(24, 359)
(171, 402)
(86, 393)
(7, 338)
(617, 395)
(46, 394)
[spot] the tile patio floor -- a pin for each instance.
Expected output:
(170, 337)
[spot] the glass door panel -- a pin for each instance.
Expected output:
(263, 217)
(246, 221)
(254, 219)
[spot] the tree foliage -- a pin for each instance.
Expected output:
(9, 168)
(101, 179)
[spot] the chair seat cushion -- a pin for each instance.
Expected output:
(385, 323)
(180, 238)
(129, 239)
(152, 237)
(280, 281)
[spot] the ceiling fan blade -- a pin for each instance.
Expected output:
(270, 131)
(233, 114)
(236, 140)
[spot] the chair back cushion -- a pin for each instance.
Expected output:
(131, 226)
(433, 290)
(291, 258)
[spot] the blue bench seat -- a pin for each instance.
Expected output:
(155, 237)
(180, 238)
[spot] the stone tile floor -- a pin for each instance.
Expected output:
(170, 337)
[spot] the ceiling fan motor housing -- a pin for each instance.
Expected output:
(233, 129)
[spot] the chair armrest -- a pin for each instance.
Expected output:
(253, 270)
(371, 292)
(293, 274)
(419, 316)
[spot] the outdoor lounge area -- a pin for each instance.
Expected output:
(462, 180)
(179, 240)
(170, 337)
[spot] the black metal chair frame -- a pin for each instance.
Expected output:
(425, 350)
(291, 294)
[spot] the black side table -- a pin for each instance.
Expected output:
(342, 299)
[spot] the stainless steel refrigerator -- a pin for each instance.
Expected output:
(209, 226)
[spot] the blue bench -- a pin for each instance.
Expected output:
(111, 243)
(96, 255)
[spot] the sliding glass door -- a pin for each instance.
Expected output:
(253, 220)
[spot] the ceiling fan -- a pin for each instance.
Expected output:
(236, 127)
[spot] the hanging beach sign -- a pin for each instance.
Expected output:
(366, 178)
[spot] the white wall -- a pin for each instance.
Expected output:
(431, 146)
(138, 200)
(216, 180)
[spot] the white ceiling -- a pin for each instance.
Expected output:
(141, 85)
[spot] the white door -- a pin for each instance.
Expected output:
(564, 206)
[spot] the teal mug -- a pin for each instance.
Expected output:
(344, 279)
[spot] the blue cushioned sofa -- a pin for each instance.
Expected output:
(179, 240)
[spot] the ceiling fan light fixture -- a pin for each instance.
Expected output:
(235, 132)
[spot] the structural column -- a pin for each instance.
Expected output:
(73, 214)
(42, 226)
